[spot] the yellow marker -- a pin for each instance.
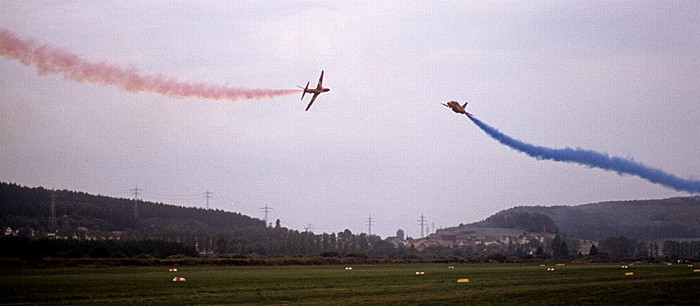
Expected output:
(629, 273)
(463, 280)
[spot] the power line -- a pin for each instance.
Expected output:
(370, 222)
(170, 195)
(136, 191)
(136, 206)
(422, 224)
(266, 209)
(208, 195)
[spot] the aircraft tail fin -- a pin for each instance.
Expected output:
(465, 104)
(305, 89)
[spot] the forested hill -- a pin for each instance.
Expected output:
(641, 220)
(24, 207)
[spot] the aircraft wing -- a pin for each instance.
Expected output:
(320, 81)
(312, 99)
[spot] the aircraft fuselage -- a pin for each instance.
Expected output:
(317, 90)
(455, 107)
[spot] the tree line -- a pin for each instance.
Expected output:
(24, 207)
(32, 249)
(87, 225)
(647, 220)
(528, 221)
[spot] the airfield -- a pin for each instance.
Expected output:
(393, 284)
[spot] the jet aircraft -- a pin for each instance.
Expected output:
(460, 109)
(316, 91)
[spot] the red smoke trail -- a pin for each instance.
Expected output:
(52, 60)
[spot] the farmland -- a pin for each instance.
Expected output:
(373, 284)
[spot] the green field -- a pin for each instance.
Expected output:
(364, 284)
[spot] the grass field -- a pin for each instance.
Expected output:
(364, 284)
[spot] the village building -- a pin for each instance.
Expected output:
(396, 241)
(8, 232)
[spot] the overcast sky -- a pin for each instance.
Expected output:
(615, 77)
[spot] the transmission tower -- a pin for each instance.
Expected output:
(308, 227)
(370, 222)
(266, 209)
(208, 195)
(136, 206)
(422, 224)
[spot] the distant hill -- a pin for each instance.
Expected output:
(647, 220)
(98, 226)
(25, 207)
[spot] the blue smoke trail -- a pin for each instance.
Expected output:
(592, 159)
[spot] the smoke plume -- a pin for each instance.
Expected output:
(593, 159)
(48, 59)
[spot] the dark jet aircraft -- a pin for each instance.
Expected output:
(460, 109)
(316, 91)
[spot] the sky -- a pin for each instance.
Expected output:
(614, 77)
